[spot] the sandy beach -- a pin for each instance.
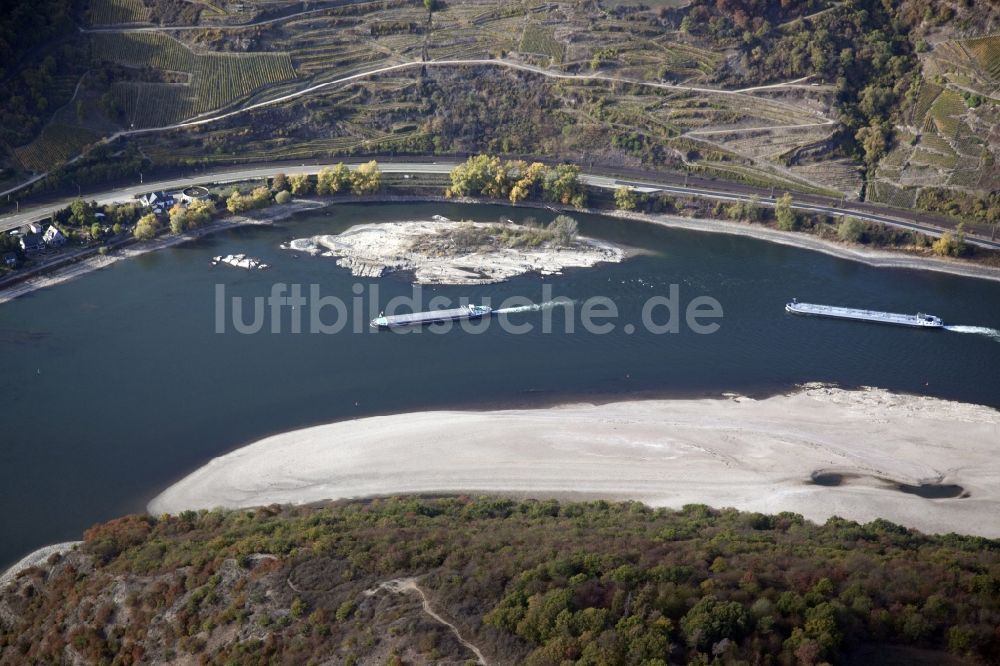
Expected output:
(819, 452)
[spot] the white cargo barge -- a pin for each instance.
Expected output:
(919, 320)
(431, 317)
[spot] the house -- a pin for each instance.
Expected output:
(9, 260)
(32, 242)
(157, 200)
(53, 237)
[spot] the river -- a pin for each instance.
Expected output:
(116, 384)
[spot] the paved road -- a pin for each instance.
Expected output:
(673, 184)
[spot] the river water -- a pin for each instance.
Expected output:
(116, 384)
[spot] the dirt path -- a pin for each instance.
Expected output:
(206, 118)
(403, 585)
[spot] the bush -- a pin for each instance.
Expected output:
(564, 229)
(852, 230)
(283, 197)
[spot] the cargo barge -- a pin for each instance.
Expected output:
(431, 317)
(919, 320)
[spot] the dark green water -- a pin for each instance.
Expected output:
(115, 384)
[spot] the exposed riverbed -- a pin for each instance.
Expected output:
(116, 384)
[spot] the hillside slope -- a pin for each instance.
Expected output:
(417, 580)
(889, 101)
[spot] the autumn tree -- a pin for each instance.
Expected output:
(625, 198)
(528, 181)
(783, 213)
(562, 184)
(147, 227)
(279, 182)
(366, 179)
(178, 219)
(332, 180)
(301, 184)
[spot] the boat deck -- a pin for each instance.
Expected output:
(918, 320)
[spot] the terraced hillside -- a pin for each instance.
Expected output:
(794, 97)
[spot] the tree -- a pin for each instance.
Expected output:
(332, 180)
(711, 620)
(95, 231)
(199, 213)
(529, 181)
(851, 229)
(116, 228)
(236, 203)
(301, 185)
(81, 214)
(562, 184)
(784, 214)
(625, 198)
(366, 179)
(752, 210)
(283, 197)
(178, 219)
(474, 176)
(873, 139)
(279, 183)
(951, 245)
(147, 227)
(564, 229)
(260, 197)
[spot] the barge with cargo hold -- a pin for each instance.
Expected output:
(431, 317)
(919, 320)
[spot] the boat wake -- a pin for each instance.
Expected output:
(981, 330)
(534, 307)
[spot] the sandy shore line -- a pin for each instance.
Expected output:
(35, 558)
(755, 455)
(859, 253)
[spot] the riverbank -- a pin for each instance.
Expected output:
(97, 261)
(859, 253)
(820, 452)
(805, 241)
(35, 558)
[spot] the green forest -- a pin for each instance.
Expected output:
(534, 582)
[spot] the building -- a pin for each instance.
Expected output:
(32, 242)
(154, 200)
(53, 237)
